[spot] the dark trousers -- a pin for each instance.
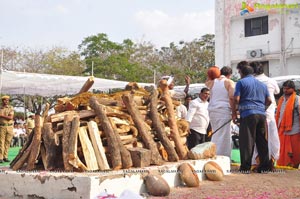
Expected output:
(195, 138)
(253, 130)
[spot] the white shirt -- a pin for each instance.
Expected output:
(273, 88)
(181, 111)
(271, 84)
(197, 115)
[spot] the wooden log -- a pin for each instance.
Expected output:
(123, 129)
(45, 112)
(134, 131)
(87, 85)
(158, 126)
(65, 141)
(88, 151)
(114, 150)
(43, 155)
(126, 137)
(61, 116)
(69, 106)
(73, 157)
(181, 150)
(97, 145)
(50, 146)
(58, 134)
(36, 143)
(21, 161)
(129, 141)
(142, 128)
(107, 101)
(138, 144)
(23, 149)
(125, 154)
(140, 157)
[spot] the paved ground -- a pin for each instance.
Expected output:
(281, 184)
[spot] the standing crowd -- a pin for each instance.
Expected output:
(269, 131)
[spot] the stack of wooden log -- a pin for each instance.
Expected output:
(130, 128)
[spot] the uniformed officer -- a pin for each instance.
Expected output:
(6, 128)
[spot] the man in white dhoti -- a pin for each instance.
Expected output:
(273, 138)
(219, 108)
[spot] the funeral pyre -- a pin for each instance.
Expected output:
(89, 132)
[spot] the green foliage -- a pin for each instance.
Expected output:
(61, 62)
(138, 62)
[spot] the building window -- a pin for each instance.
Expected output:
(256, 26)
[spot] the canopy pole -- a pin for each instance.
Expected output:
(92, 68)
(1, 69)
(24, 96)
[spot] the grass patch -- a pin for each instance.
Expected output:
(12, 153)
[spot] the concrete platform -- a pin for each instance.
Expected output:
(88, 185)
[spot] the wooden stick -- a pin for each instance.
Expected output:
(142, 128)
(73, 157)
(65, 141)
(159, 128)
(97, 145)
(36, 143)
(181, 150)
(49, 146)
(114, 150)
(125, 154)
(88, 151)
(87, 85)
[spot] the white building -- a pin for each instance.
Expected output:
(267, 31)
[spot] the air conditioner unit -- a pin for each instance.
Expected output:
(254, 53)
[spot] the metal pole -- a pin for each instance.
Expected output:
(24, 96)
(154, 76)
(1, 69)
(92, 68)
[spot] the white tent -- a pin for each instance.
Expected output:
(46, 85)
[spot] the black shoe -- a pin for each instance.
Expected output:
(1, 161)
(6, 160)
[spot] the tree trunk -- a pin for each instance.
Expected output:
(142, 128)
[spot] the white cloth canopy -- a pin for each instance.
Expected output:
(46, 85)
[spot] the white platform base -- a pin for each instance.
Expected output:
(54, 185)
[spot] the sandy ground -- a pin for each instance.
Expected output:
(281, 184)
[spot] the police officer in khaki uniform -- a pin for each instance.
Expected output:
(6, 128)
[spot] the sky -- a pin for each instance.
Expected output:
(65, 23)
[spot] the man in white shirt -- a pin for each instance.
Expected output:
(273, 138)
(198, 118)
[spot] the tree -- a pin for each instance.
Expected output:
(112, 60)
(60, 61)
